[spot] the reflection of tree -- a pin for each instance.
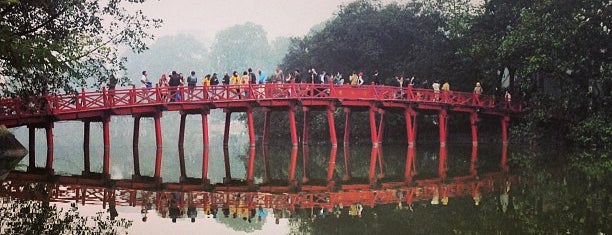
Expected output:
(37, 217)
(548, 201)
(238, 224)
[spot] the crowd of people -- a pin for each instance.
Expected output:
(176, 79)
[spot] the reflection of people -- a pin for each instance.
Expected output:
(504, 198)
(192, 213)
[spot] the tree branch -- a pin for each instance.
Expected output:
(53, 17)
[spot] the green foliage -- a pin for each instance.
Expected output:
(36, 217)
(57, 46)
(240, 47)
(367, 36)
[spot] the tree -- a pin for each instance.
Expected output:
(240, 47)
(182, 53)
(57, 46)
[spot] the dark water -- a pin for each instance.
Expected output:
(471, 191)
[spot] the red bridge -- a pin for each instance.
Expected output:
(42, 112)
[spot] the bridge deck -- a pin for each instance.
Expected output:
(143, 101)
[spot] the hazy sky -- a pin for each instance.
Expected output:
(207, 17)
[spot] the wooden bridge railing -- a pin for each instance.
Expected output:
(134, 97)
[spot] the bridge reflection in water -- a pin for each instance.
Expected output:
(239, 198)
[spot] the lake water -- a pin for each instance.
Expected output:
(472, 191)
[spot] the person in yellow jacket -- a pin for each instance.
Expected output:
(235, 81)
(206, 80)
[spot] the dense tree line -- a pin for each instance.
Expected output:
(556, 55)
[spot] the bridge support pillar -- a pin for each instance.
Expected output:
(183, 172)
(135, 152)
(205, 180)
(332, 126)
(381, 126)
(410, 170)
(347, 163)
(411, 125)
(86, 159)
(373, 131)
(251, 125)
(292, 165)
(228, 120)
(31, 148)
(49, 132)
(474, 160)
(442, 162)
(205, 142)
(473, 122)
(226, 161)
(106, 137)
(158, 141)
(205, 137)
(266, 162)
(251, 166)
(504, 125)
(504, 159)
(305, 163)
(347, 126)
(266, 127)
(181, 137)
(373, 159)
(442, 121)
(294, 138)
(332, 165)
(306, 111)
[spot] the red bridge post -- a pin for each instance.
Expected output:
(251, 166)
(473, 121)
(442, 122)
(332, 164)
(181, 137)
(86, 159)
(251, 125)
(32, 148)
(332, 125)
(266, 127)
(158, 141)
(183, 172)
(473, 160)
(306, 111)
(292, 165)
(373, 131)
(228, 119)
(347, 126)
(408, 173)
(442, 162)
(226, 161)
(381, 126)
(266, 162)
(504, 159)
(504, 124)
(49, 131)
(305, 163)
(205, 137)
(135, 152)
(205, 180)
(347, 163)
(106, 137)
(411, 125)
(292, 127)
(373, 159)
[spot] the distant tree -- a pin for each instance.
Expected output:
(56, 46)
(240, 47)
(183, 53)
(37, 217)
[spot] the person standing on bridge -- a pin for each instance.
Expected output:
(445, 90)
(192, 81)
(477, 93)
(261, 79)
(175, 81)
(436, 89)
(144, 81)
